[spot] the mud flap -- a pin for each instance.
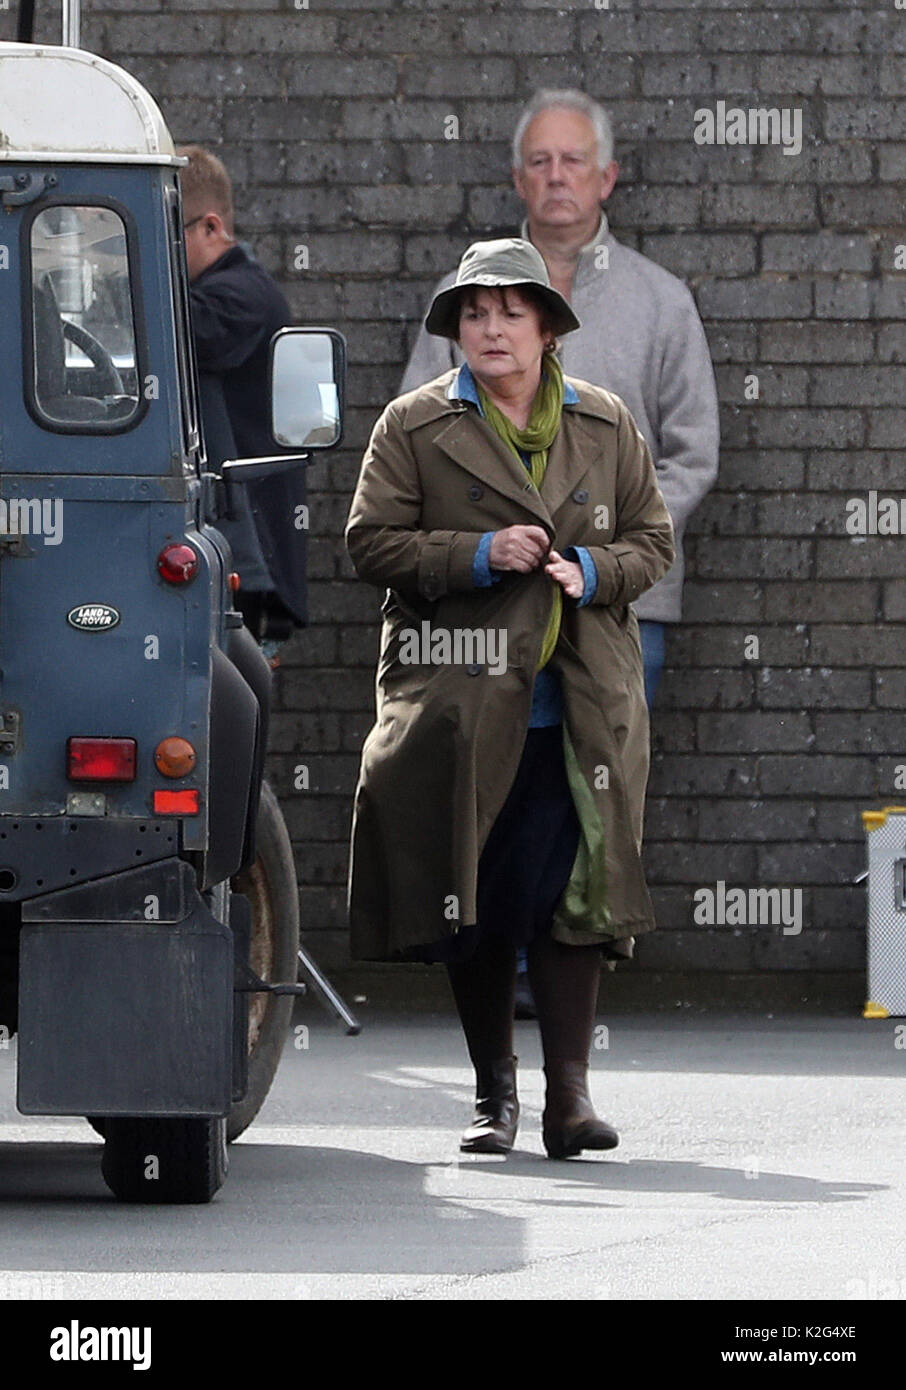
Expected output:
(125, 1017)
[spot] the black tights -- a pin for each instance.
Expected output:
(564, 982)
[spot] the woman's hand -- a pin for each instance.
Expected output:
(568, 573)
(519, 548)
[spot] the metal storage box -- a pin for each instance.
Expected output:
(886, 935)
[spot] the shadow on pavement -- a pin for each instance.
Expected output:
(288, 1208)
(665, 1175)
(282, 1208)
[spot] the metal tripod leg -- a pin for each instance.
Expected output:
(328, 995)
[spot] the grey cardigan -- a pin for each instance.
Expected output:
(641, 337)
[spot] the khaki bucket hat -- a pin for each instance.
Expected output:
(493, 264)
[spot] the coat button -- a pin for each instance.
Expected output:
(580, 495)
(431, 586)
(473, 670)
(476, 491)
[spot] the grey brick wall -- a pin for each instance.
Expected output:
(332, 120)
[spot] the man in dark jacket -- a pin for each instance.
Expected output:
(236, 309)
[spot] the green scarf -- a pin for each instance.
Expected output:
(536, 440)
(582, 916)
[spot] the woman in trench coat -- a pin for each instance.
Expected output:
(510, 515)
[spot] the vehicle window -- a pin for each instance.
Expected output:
(84, 353)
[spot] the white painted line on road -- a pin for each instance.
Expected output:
(399, 1079)
(43, 1131)
(456, 1083)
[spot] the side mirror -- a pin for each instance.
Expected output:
(308, 385)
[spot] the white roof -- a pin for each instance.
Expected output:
(64, 104)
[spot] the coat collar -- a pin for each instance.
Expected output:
(463, 387)
(436, 399)
(572, 452)
(234, 255)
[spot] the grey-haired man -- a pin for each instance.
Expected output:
(641, 335)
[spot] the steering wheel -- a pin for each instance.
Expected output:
(111, 383)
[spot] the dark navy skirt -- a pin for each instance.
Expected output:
(527, 858)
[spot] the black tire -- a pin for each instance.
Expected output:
(270, 885)
(190, 1154)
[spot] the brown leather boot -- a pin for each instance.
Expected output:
(493, 1127)
(569, 1123)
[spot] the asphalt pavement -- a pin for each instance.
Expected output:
(760, 1158)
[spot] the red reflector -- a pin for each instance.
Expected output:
(178, 564)
(183, 803)
(100, 759)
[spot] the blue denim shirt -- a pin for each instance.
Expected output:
(547, 697)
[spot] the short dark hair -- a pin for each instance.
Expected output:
(528, 293)
(205, 185)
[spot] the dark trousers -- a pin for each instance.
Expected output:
(524, 868)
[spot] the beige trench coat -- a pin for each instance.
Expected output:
(449, 733)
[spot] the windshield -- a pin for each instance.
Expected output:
(84, 358)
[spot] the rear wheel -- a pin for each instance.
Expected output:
(164, 1160)
(270, 885)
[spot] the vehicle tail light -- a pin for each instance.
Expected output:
(177, 563)
(176, 803)
(100, 759)
(174, 757)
